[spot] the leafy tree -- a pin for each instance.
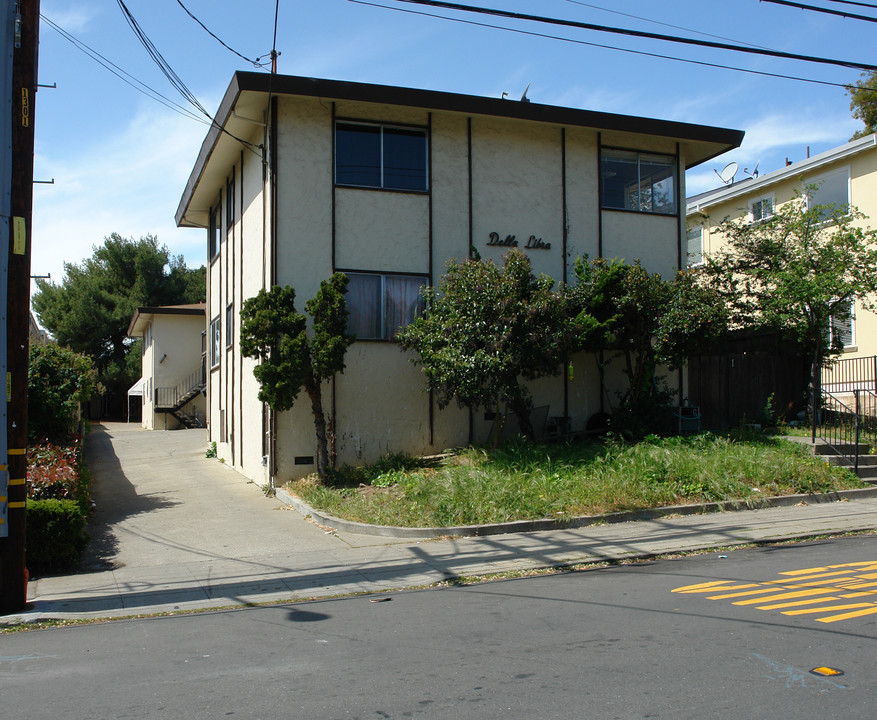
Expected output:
(58, 380)
(485, 330)
(798, 271)
(863, 103)
(648, 321)
(91, 309)
(276, 335)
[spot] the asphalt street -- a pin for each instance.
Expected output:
(723, 635)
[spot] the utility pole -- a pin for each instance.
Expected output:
(13, 572)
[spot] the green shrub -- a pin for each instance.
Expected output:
(55, 533)
(58, 381)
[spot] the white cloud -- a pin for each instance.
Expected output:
(130, 183)
(72, 18)
(772, 138)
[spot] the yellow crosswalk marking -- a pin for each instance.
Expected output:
(742, 594)
(796, 603)
(831, 608)
(848, 616)
(783, 596)
(702, 587)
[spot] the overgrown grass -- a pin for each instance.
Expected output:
(523, 481)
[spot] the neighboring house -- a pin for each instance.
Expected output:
(845, 176)
(36, 335)
(173, 380)
(301, 177)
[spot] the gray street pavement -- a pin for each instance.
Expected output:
(175, 531)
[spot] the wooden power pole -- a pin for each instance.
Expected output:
(13, 573)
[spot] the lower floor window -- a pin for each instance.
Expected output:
(843, 326)
(378, 305)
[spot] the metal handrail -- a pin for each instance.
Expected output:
(840, 426)
(168, 397)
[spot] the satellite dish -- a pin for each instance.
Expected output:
(524, 97)
(754, 173)
(728, 173)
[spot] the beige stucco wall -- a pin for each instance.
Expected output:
(172, 356)
(516, 187)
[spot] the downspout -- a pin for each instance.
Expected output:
(272, 177)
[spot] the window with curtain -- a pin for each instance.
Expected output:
(378, 305)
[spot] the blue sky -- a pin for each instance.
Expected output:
(120, 160)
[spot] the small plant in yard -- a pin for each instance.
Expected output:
(211, 451)
(527, 481)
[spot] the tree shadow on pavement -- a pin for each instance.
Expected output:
(115, 499)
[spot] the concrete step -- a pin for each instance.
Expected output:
(822, 448)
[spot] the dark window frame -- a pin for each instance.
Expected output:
(673, 165)
(215, 343)
(229, 325)
(214, 231)
(383, 129)
(386, 335)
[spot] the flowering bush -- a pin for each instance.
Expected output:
(54, 471)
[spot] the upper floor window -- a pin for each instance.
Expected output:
(378, 305)
(761, 208)
(831, 190)
(380, 156)
(694, 250)
(229, 205)
(229, 325)
(214, 232)
(638, 181)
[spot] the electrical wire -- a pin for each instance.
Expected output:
(852, 2)
(827, 11)
(175, 79)
(636, 33)
(658, 22)
(123, 75)
(530, 33)
(254, 63)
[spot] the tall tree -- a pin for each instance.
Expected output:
(484, 331)
(91, 309)
(863, 103)
(290, 359)
(622, 309)
(798, 271)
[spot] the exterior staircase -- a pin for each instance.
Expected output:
(839, 456)
(173, 400)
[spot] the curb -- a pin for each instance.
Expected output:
(519, 526)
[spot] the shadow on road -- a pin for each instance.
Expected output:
(115, 500)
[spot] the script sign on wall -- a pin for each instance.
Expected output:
(533, 243)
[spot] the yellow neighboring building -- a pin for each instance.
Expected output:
(845, 175)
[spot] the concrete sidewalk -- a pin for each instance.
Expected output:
(175, 531)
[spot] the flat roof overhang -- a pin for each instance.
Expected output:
(245, 103)
(145, 315)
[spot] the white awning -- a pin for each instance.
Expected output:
(136, 388)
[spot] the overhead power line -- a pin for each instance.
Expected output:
(659, 22)
(172, 76)
(827, 11)
(122, 74)
(254, 63)
(852, 2)
(641, 53)
(637, 33)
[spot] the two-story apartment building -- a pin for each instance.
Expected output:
(301, 177)
(173, 373)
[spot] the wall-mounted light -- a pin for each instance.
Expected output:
(164, 357)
